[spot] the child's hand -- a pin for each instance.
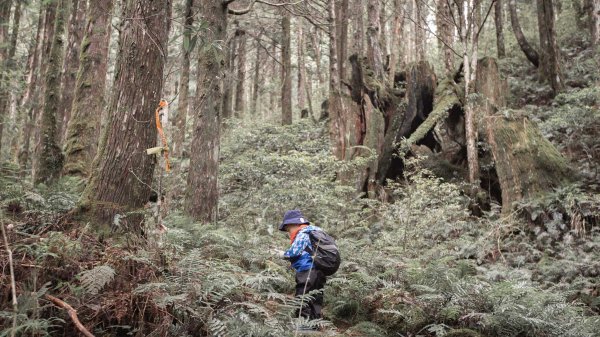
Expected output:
(277, 253)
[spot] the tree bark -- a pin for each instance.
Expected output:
(4, 57)
(49, 157)
(383, 42)
(122, 175)
(550, 54)
(526, 163)
(595, 22)
(202, 193)
(315, 42)
(419, 31)
(445, 36)
(337, 130)
(256, 91)
(10, 64)
(530, 53)
(499, 22)
(342, 37)
(396, 50)
(71, 65)
(301, 90)
(374, 52)
(227, 104)
(470, 30)
(240, 90)
(286, 71)
(359, 32)
(88, 102)
(29, 99)
(184, 80)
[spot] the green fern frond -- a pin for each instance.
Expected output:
(95, 279)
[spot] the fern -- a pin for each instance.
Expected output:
(95, 279)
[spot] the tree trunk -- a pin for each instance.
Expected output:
(550, 54)
(4, 57)
(202, 193)
(420, 39)
(286, 71)
(499, 22)
(374, 53)
(88, 102)
(227, 104)
(402, 119)
(358, 8)
(317, 49)
(49, 26)
(184, 80)
(445, 36)
(19, 122)
(470, 30)
(122, 174)
(595, 22)
(342, 26)
(10, 64)
(257, 78)
(71, 65)
(240, 90)
(337, 130)
(301, 90)
(274, 73)
(49, 157)
(383, 31)
(396, 50)
(29, 99)
(530, 53)
(526, 163)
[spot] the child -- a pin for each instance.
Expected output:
(308, 277)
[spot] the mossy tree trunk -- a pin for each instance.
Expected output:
(49, 157)
(184, 80)
(29, 100)
(4, 40)
(88, 102)
(202, 193)
(526, 163)
(122, 175)
(405, 111)
(71, 64)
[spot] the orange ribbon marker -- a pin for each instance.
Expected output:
(162, 104)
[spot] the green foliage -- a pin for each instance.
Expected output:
(95, 279)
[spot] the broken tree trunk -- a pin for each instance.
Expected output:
(526, 163)
(406, 115)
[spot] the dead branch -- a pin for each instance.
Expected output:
(72, 313)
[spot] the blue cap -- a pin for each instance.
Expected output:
(293, 217)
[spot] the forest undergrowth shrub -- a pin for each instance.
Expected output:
(421, 265)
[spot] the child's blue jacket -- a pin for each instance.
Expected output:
(297, 254)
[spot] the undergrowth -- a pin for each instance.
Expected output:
(421, 265)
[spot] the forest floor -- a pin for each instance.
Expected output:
(420, 266)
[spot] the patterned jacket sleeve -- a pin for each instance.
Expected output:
(297, 248)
